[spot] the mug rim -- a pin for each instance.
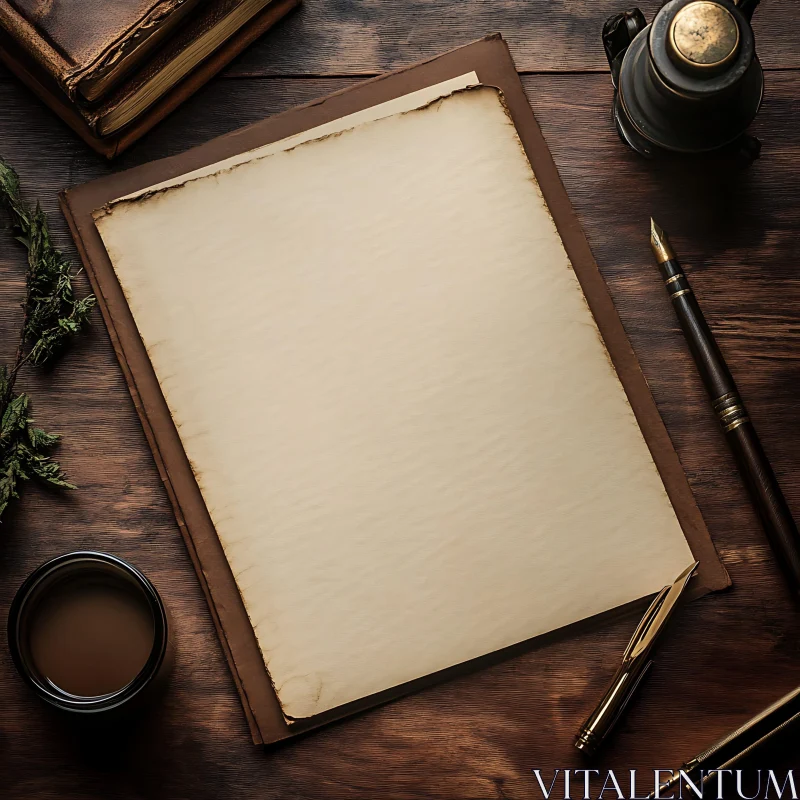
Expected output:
(58, 697)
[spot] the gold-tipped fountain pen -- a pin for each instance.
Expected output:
(758, 476)
(636, 661)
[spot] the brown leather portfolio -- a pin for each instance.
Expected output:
(490, 60)
(55, 59)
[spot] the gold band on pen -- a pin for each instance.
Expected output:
(680, 293)
(731, 411)
(735, 424)
(674, 278)
(721, 401)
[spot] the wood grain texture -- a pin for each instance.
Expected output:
(478, 737)
(350, 37)
(367, 37)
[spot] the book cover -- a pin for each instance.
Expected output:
(162, 84)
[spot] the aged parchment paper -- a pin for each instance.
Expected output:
(397, 404)
(405, 102)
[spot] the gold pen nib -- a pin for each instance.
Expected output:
(660, 243)
(659, 613)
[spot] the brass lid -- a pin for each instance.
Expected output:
(704, 37)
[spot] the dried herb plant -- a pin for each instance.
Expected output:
(51, 316)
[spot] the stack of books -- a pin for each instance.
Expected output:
(112, 69)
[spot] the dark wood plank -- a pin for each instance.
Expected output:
(343, 37)
(348, 37)
(477, 737)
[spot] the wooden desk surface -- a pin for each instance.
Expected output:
(478, 737)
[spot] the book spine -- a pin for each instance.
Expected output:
(204, 71)
(34, 45)
(158, 20)
(40, 82)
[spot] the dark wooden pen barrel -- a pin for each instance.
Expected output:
(757, 473)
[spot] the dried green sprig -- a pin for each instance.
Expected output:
(51, 317)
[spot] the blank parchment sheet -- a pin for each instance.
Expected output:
(397, 405)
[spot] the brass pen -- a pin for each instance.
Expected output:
(636, 661)
(756, 471)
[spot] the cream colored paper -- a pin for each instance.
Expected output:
(396, 402)
(398, 105)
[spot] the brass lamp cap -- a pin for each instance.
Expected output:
(703, 38)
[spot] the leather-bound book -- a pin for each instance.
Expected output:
(115, 68)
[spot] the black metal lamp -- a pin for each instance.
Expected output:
(690, 82)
